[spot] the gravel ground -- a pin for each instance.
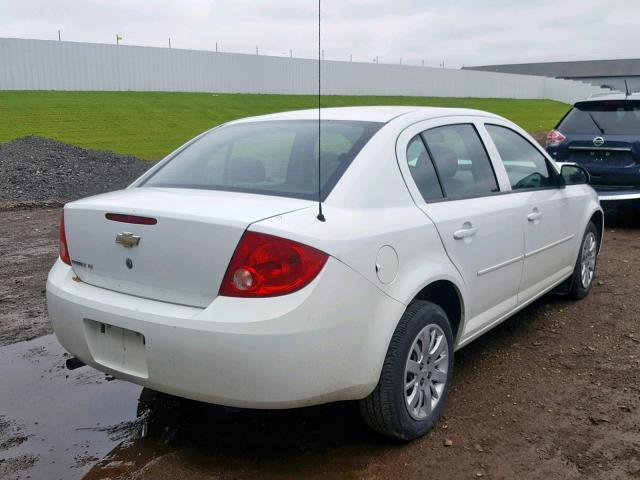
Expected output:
(40, 169)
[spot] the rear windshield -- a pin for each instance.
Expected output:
(615, 117)
(271, 158)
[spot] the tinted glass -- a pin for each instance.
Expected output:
(272, 158)
(525, 165)
(422, 170)
(462, 163)
(604, 117)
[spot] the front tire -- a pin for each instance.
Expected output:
(416, 375)
(585, 268)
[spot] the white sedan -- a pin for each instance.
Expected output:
(213, 277)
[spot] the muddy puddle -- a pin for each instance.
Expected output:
(56, 423)
(61, 424)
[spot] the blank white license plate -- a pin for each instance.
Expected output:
(117, 348)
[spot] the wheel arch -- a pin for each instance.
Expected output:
(598, 220)
(448, 296)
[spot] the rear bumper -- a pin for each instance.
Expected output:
(324, 343)
(612, 182)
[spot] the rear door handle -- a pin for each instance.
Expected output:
(466, 231)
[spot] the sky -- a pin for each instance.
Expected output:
(456, 32)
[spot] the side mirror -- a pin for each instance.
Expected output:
(574, 175)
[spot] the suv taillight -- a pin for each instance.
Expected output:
(268, 266)
(555, 138)
(64, 250)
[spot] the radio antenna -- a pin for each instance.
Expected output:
(626, 89)
(320, 214)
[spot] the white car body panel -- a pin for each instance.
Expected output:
(177, 261)
(327, 341)
(551, 239)
(492, 275)
(313, 346)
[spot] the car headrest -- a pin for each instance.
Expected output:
(300, 173)
(446, 159)
(342, 157)
(423, 160)
(422, 171)
(247, 170)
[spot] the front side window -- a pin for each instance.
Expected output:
(462, 164)
(422, 170)
(525, 165)
(270, 158)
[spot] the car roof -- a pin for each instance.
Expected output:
(610, 96)
(381, 114)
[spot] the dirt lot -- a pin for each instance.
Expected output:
(28, 245)
(553, 393)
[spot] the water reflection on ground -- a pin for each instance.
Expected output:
(56, 423)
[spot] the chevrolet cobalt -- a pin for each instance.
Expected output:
(215, 277)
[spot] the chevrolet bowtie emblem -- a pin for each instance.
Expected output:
(127, 239)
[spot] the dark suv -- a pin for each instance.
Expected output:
(602, 135)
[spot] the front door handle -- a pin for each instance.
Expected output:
(535, 215)
(466, 231)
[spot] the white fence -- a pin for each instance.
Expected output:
(51, 65)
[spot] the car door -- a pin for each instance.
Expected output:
(553, 212)
(452, 180)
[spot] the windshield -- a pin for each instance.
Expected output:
(271, 158)
(614, 117)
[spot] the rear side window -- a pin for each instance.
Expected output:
(272, 158)
(617, 117)
(422, 170)
(525, 165)
(462, 164)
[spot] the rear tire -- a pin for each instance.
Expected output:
(416, 375)
(585, 268)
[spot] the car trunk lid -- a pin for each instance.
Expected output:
(179, 257)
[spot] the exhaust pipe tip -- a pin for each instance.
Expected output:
(73, 363)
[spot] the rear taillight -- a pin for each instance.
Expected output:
(64, 250)
(555, 138)
(267, 266)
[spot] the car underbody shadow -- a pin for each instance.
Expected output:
(265, 442)
(329, 440)
(622, 214)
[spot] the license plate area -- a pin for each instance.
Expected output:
(117, 348)
(609, 158)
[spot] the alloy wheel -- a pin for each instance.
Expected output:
(588, 260)
(426, 371)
